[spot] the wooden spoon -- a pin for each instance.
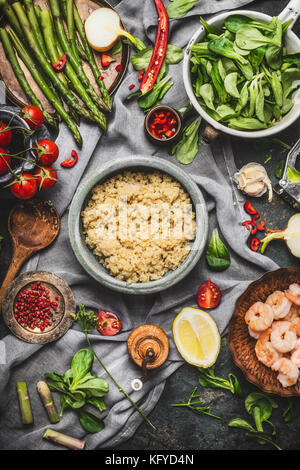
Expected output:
(33, 225)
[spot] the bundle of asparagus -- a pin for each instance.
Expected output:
(39, 39)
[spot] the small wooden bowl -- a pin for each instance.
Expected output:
(240, 342)
(57, 287)
(170, 140)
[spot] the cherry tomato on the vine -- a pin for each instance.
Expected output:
(5, 134)
(4, 161)
(108, 323)
(33, 116)
(209, 295)
(46, 177)
(46, 152)
(24, 186)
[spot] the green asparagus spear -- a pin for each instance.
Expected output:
(68, 97)
(11, 17)
(79, 47)
(11, 56)
(62, 37)
(71, 31)
(30, 64)
(55, 50)
(91, 58)
(29, 8)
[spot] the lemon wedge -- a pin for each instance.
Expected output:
(197, 337)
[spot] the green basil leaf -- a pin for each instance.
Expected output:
(217, 255)
(90, 422)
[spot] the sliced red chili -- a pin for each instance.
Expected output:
(249, 208)
(100, 77)
(131, 86)
(141, 74)
(60, 64)
(106, 60)
(119, 67)
(262, 226)
(160, 48)
(247, 224)
(71, 161)
(163, 124)
(254, 243)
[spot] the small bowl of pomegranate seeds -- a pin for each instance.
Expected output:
(37, 306)
(163, 124)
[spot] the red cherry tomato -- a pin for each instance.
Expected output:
(24, 186)
(33, 116)
(46, 177)
(209, 295)
(4, 161)
(108, 323)
(5, 134)
(46, 152)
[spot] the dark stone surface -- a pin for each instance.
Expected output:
(179, 428)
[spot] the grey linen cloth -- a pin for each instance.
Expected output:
(212, 170)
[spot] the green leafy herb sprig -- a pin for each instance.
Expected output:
(260, 407)
(195, 404)
(208, 379)
(87, 321)
(80, 387)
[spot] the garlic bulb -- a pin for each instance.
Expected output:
(253, 180)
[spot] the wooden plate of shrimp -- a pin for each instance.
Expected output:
(264, 332)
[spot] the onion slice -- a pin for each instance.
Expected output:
(290, 234)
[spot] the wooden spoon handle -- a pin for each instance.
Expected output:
(19, 257)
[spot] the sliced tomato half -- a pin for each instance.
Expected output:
(109, 324)
(209, 295)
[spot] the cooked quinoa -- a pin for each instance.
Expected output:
(153, 239)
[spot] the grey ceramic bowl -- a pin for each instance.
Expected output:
(85, 256)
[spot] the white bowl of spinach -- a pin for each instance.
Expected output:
(241, 72)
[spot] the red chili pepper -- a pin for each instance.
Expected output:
(254, 243)
(106, 60)
(160, 48)
(100, 77)
(255, 216)
(131, 86)
(141, 74)
(60, 64)
(119, 67)
(249, 208)
(70, 162)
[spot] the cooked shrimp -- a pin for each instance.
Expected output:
(283, 336)
(265, 352)
(259, 316)
(280, 304)
(295, 356)
(294, 317)
(254, 334)
(288, 371)
(293, 293)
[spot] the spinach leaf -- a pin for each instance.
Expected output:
(150, 98)
(246, 123)
(217, 255)
(179, 8)
(90, 422)
(290, 80)
(251, 38)
(230, 84)
(141, 60)
(234, 22)
(260, 407)
(241, 423)
(95, 386)
(81, 364)
(187, 147)
(174, 54)
(207, 93)
(97, 402)
(208, 27)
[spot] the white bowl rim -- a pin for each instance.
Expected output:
(87, 259)
(276, 128)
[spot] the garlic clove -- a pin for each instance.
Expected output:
(253, 180)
